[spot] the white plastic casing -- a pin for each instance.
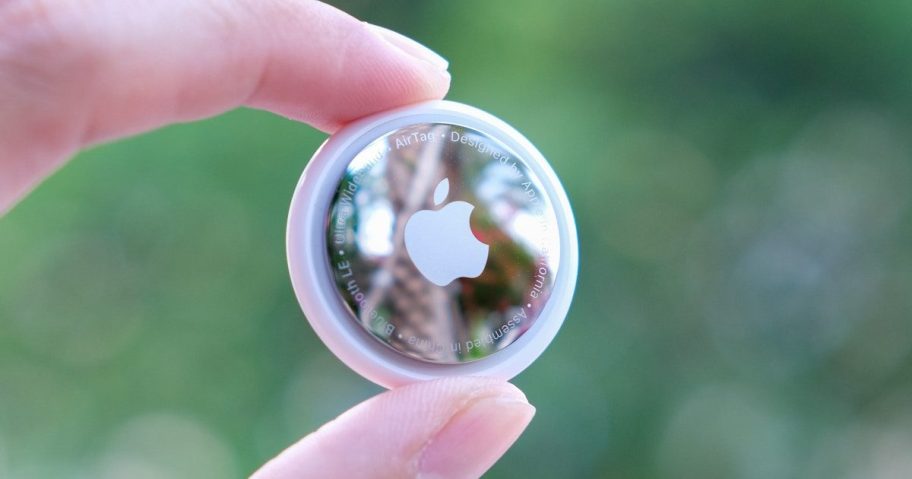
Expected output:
(313, 281)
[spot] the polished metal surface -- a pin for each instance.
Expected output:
(443, 243)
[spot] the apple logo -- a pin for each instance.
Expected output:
(441, 243)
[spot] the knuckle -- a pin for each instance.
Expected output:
(44, 44)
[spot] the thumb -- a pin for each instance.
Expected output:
(453, 428)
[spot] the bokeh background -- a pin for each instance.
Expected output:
(741, 177)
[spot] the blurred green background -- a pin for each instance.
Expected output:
(741, 177)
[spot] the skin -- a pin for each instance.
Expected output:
(74, 73)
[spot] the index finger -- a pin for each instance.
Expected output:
(76, 73)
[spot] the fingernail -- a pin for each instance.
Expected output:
(410, 47)
(475, 437)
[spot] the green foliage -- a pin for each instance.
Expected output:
(741, 177)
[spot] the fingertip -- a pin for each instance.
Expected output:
(454, 427)
(346, 71)
(475, 437)
(411, 47)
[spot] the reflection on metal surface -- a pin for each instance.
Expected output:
(478, 266)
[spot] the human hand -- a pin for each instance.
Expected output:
(76, 73)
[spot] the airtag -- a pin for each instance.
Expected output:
(432, 240)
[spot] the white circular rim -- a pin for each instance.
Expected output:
(312, 280)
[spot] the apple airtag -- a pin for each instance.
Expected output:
(432, 240)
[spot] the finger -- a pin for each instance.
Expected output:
(454, 428)
(74, 73)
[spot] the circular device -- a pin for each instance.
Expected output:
(432, 240)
